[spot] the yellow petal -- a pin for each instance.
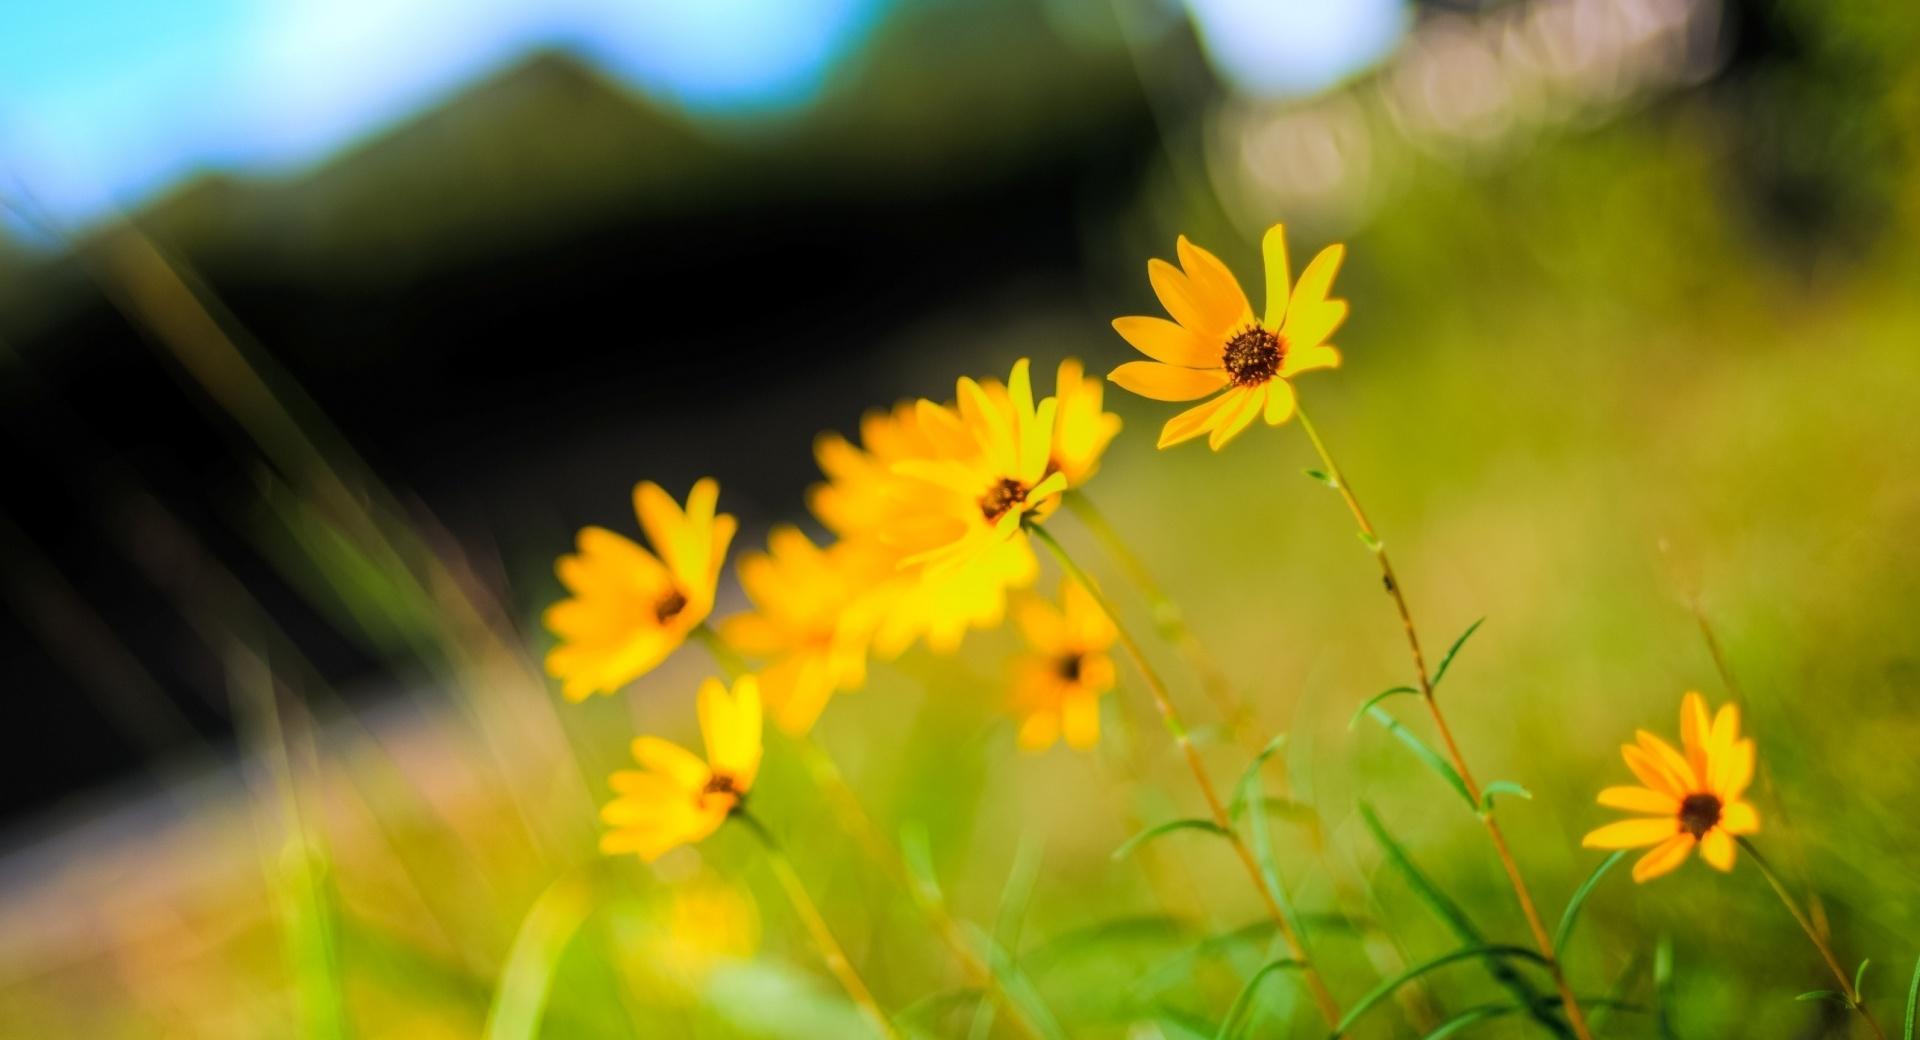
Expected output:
(1280, 402)
(1273, 249)
(1317, 280)
(1651, 772)
(1215, 288)
(1039, 731)
(1629, 834)
(1716, 847)
(1733, 771)
(1308, 359)
(681, 767)
(1196, 420)
(1167, 383)
(1231, 423)
(1309, 324)
(731, 723)
(1640, 799)
(1694, 726)
(1080, 720)
(1177, 295)
(1668, 855)
(1672, 761)
(1166, 341)
(1739, 818)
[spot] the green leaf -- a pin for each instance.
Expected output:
(928, 1009)
(1860, 973)
(1180, 967)
(1322, 477)
(1375, 699)
(1386, 989)
(1913, 1001)
(1250, 776)
(1230, 1026)
(1425, 753)
(1441, 672)
(1189, 824)
(1824, 994)
(1572, 913)
(521, 997)
(1663, 987)
(1461, 925)
(1501, 787)
(1469, 1017)
(1369, 541)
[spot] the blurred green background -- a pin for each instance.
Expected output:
(1633, 346)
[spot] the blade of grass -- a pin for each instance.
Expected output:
(549, 926)
(1572, 913)
(1386, 989)
(1913, 1001)
(1240, 1008)
(1425, 754)
(1441, 672)
(1361, 712)
(1189, 824)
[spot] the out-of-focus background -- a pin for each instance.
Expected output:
(323, 327)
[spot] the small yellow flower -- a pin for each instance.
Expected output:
(813, 619)
(1081, 431)
(1696, 796)
(630, 608)
(675, 798)
(1214, 342)
(987, 476)
(1058, 683)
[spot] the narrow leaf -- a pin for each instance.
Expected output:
(1572, 913)
(1230, 1026)
(521, 997)
(1375, 699)
(1441, 672)
(1250, 776)
(1369, 541)
(1913, 1002)
(1386, 989)
(1461, 925)
(1189, 824)
(1322, 477)
(1469, 1017)
(1860, 973)
(1501, 787)
(1425, 753)
(1823, 994)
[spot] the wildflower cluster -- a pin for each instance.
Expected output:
(931, 514)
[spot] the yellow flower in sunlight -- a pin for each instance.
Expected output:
(630, 608)
(813, 618)
(1058, 683)
(987, 477)
(1081, 431)
(676, 799)
(1214, 342)
(1695, 797)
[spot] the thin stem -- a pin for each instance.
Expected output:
(1507, 862)
(1167, 617)
(1170, 715)
(1854, 1000)
(816, 925)
(855, 820)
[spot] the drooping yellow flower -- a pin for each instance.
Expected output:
(989, 474)
(813, 618)
(631, 608)
(1058, 682)
(676, 799)
(1081, 430)
(1695, 798)
(1214, 343)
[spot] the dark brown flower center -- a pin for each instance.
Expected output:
(1698, 813)
(1253, 355)
(721, 783)
(1002, 497)
(1068, 667)
(669, 606)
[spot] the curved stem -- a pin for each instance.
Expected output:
(855, 820)
(1167, 617)
(1392, 583)
(817, 929)
(1170, 716)
(1820, 943)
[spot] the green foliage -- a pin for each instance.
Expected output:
(1188, 824)
(1239, 1013)
(1386, 989)
(1564, 932)
(1447, 661)
(1426, 754)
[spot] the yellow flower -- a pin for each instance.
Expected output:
(813, 618)
(1214, 343)
(987, 476)
(1695, 797)
(630, 609)
(1081, 431)
(1058, 683)
(675, 798)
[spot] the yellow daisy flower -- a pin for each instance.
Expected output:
(1058, 683)
(1081, 430)
(1695, 797)
(1214, 343)
(676, 799)
(988, 477)
(813, 618)
(630, 608)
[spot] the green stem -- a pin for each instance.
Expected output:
(1800, 918)
(809, 914)
(1296, 948)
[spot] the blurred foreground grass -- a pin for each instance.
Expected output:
(1579, 395)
